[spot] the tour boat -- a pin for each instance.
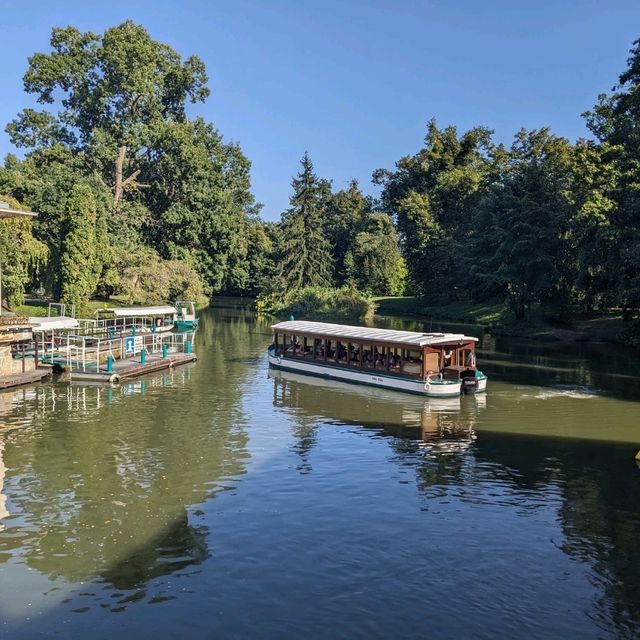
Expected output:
(185, 318)
(429, 364)
(141, 319)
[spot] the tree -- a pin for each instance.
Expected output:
(432, 196)
(615, 120)
(345, 211)
(377, 264)
(520, 249)
(21, 255)
(80, 264)
(305, 252)
(115, 90)
(114, 116)
(592, 235)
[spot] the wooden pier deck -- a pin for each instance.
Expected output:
(28, 377)
(132, 367)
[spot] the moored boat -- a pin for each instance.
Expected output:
(428, 364)
(141, 319)
(185, 318)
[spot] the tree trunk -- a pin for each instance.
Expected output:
(120, 183)
(119, 186)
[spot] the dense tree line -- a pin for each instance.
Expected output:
(139, 199)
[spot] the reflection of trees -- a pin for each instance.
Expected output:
(101, 484)
(600, 516)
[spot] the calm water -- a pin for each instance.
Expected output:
(221, 501)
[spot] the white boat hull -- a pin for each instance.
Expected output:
(431, 388)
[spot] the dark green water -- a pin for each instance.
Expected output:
(218, 501)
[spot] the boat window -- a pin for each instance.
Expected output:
(354, 354)
(332, 348)
(466, 358)
(395, 359)
(413, 362)
(318, 348)
(380, 357)
(298, 347)
(287, 341)
(341, 352)
(367, 356)
(308, 347)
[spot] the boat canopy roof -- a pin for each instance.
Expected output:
(51, 323)
(120, 312)
(411, 338)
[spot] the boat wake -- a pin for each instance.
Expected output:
(568, 391)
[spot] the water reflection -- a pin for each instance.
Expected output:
(444, 423)
(100, 482)
(264, 498)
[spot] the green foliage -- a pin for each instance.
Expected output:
(432, 196)
(80, 263)
(114, 116)
(21, 255)
(319, 303)
(152, 280)
(377, 265)
(519, 249)
(615, 120)
(305, 251)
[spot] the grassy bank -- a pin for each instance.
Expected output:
(499, 320)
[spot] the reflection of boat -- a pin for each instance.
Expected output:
(426, 364)
(395, 413)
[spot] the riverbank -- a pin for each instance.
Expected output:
(499, 320)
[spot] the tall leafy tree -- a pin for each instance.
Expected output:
(21, 255)
(113, 91)
(520, 248)
(432, 196)
(80, 264)
(376, 264)
(615, 120)
(305, 251)
(114, 111)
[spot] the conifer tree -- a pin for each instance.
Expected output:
(305, 252)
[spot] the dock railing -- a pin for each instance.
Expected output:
(91, 353)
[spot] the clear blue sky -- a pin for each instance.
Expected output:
(354, 82)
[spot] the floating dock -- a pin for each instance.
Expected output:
(132, 367)
(28, 377)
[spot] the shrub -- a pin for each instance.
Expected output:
(318, 303)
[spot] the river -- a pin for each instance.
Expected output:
(222, 500)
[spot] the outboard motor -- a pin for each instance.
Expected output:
(469, 383)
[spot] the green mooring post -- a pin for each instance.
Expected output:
(143, 356)
(292, 317)
(165, 350)
(109, 364)
(188, 346)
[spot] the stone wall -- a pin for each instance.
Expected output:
(12, 366)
